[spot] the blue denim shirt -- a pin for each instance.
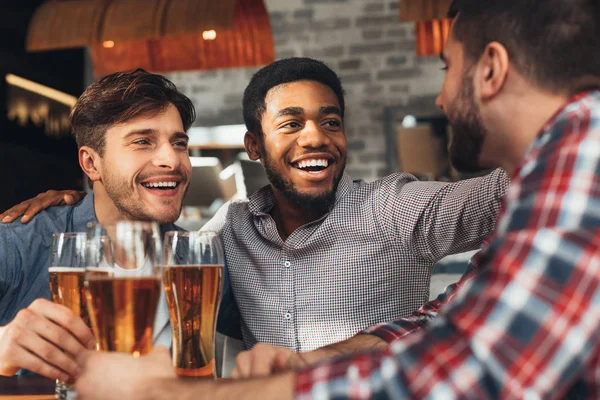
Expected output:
(25, 254)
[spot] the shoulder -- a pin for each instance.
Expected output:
(390, 183)
(44, 221)
(230, 212)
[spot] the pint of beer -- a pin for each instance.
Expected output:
(123, 284)
(66, 271)
(193, 280)
(66, 287)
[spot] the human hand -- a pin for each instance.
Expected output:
(36, 337)
(121, 376)
(264, 360)
(31, 207)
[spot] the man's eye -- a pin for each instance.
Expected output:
(181, 143)
(142, 142)
(333, 123)
(444, 68)
(292, 125)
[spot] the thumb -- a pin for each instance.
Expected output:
(283, 361)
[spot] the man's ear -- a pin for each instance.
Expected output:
(492, 70)
(252, 145)
(90, 163)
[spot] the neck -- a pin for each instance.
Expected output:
(105, 209)
(288, 217)
(529, 111)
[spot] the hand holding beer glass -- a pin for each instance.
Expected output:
(123, 284)
(67, 267)
(193, 280)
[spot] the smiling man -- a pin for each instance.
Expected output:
(315, 257)
(130, 129)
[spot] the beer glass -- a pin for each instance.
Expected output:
(123, 284)
(67, 266)
(193, 280)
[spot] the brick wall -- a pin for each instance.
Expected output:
(363, 40)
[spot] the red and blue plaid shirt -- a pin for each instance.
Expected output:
(526, 320)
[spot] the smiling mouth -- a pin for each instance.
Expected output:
(167, 185)
(315, 165)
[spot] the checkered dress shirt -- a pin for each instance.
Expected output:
(365, 262)
(525, 323)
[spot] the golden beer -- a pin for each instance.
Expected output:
(66, 286)
(122, 311)
(193, 293)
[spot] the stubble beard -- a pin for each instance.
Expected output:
(469, 133)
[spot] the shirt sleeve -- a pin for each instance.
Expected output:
(395, 330)
(526, 326)
(436, 219)
(8, 267)
(217, 222)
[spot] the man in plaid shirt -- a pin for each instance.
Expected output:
(526, 320)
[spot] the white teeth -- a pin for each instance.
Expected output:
(160, 184)
(313, 163)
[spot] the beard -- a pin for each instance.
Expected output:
(130, 205)
(315, 203)
(469, 133)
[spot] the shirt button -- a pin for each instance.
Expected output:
(288, 315)
(287, 264)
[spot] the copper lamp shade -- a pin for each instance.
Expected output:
(158, 35)
(431, 25)
(248, 43)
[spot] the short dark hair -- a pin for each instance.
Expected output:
(555, 43)
(119, 97)
(278, 73)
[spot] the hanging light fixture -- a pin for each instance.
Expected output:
(158, 35)
(248, 43)
(431, 25)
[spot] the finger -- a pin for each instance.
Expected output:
(283, 362)
(295, 361)
(14, 212)
(262, 364)
(33, 363)
(243, 364)
(73, 196)
(69, 327)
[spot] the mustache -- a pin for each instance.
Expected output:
(178, 174)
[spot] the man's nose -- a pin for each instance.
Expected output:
(438, 102)
(166, 157)
(312, 136)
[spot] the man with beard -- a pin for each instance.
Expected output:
(315, 257)
(525, 322)
(131, 133)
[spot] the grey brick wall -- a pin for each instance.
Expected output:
(363, 40)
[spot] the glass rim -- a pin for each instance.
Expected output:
(69, 234)
(122, 221)
(191, 233)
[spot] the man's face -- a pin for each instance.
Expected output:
(146, 167)
(303, 143)
(457, 100)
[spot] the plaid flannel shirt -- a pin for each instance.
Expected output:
(526, 321)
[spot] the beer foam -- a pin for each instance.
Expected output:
(66, 269)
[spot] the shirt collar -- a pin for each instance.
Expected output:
(263, 201)
(544, 134)
(83, 212)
